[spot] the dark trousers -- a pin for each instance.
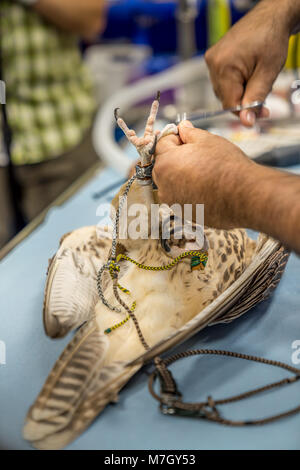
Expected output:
(39, 184)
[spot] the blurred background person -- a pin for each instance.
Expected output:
(45, 139)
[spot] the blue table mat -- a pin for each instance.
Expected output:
(268, 330)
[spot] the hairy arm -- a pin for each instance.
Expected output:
(84, 17)
(270, 202)
(201, 168)
(245, 63)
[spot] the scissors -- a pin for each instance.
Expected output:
(199, 115)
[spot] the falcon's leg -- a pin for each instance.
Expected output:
(130, 133)
(146, 145)
(152, 116)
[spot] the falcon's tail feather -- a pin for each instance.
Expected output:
(76, 390)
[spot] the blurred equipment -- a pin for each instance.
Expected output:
(155, 23)
(244, 5)
(115, 65)
(186, 15)
(219, 19)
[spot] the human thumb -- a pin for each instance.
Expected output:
(257, 89)
(188, 133)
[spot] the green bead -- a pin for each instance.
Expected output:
(195, 261)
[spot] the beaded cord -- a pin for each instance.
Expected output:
(121, 323)
(201, 257)
(109, 264)
(114, 267)
(198, 258)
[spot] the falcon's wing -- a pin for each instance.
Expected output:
(79, 386)
(71, 293)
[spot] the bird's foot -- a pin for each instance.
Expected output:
(146, 145)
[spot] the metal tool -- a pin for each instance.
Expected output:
(199, 115)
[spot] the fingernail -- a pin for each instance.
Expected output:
(186, 124)
(251, 118)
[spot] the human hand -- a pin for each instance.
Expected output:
(197, 167)
(245, 63)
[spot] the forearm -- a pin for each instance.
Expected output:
(291, 14)
(85, 18)
(288, 10)
(268, 200)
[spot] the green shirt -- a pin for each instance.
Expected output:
(49, 95)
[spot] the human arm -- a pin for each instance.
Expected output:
(236, 192)
(86, 18)
(245, 63)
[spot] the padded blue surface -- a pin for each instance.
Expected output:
(135, 422)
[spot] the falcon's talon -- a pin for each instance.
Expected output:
(153, 148)
(116, 114)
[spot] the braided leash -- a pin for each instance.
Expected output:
(114, 269)
(111, 263)
(171, 399)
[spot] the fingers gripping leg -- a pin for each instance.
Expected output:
(169, 129)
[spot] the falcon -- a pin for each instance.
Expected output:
(137, 311)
